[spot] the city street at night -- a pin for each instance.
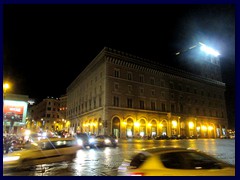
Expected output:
(105, 161)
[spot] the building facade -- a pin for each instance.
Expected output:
(127, 96)
(49, 114)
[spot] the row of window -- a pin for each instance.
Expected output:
(178, 87)
(173, 107)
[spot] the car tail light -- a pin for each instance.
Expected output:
(137, 174)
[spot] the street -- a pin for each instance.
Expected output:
(105, 161)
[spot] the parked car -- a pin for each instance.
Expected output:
(84, 140)
(105, 140)
(45, 151)
(174, 162)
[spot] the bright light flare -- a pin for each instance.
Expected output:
(208, 50)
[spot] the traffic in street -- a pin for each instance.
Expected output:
(105, 161)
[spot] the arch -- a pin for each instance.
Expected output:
(142, 127)
(116, 127)
(163, 124)
(153, 128)
(183, 128)
(129, 127)
(211, 130)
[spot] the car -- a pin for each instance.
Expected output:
(105, 140)
(85, 140)
(44, 151)
(174, 161)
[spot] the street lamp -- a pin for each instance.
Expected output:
(203, 47)
(6, 86)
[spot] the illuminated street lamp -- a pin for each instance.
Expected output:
(203, 47)
(6, 86)
(208, 50)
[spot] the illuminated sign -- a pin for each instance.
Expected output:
(14, 111)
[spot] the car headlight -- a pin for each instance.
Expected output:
(107, 141)
(79, 142)
(91, 140)
(10, 158)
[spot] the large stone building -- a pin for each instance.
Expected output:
(124, 95)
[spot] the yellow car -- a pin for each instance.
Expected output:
(174, 162)
(49, 150)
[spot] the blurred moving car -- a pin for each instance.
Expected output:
(174, 162)
(42, 152)
(105, 140)
(84, 140)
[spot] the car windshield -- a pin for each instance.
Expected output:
(82, 136)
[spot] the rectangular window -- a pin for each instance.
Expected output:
(100, 101)
(49, 108)
(153, 106)
(171, 85)
(181, 108)
(180, 87)
(152, 81)
(163, 107)
(141, 78)
(94, 102)
(129, 88)
(163, 94)
(172, 108)
(195, 91)
(162, 83)
(197, 111)
(129, 103)
(116, 101)
(116, 86)
(129, 76)
(141, 104)
(116, 73)
(153, 92)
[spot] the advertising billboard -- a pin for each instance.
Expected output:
(14, 112)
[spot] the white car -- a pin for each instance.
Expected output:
(45, 151)
(174, 162)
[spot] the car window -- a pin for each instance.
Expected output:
(188, 160)
(82, 136)
(172, 160)
(200, 161)
(138, 160)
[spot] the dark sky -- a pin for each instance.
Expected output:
(47, 46)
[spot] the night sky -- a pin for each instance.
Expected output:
(47, 46)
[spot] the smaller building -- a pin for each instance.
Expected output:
(49, 114)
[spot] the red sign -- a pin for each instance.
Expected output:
(13, 112)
